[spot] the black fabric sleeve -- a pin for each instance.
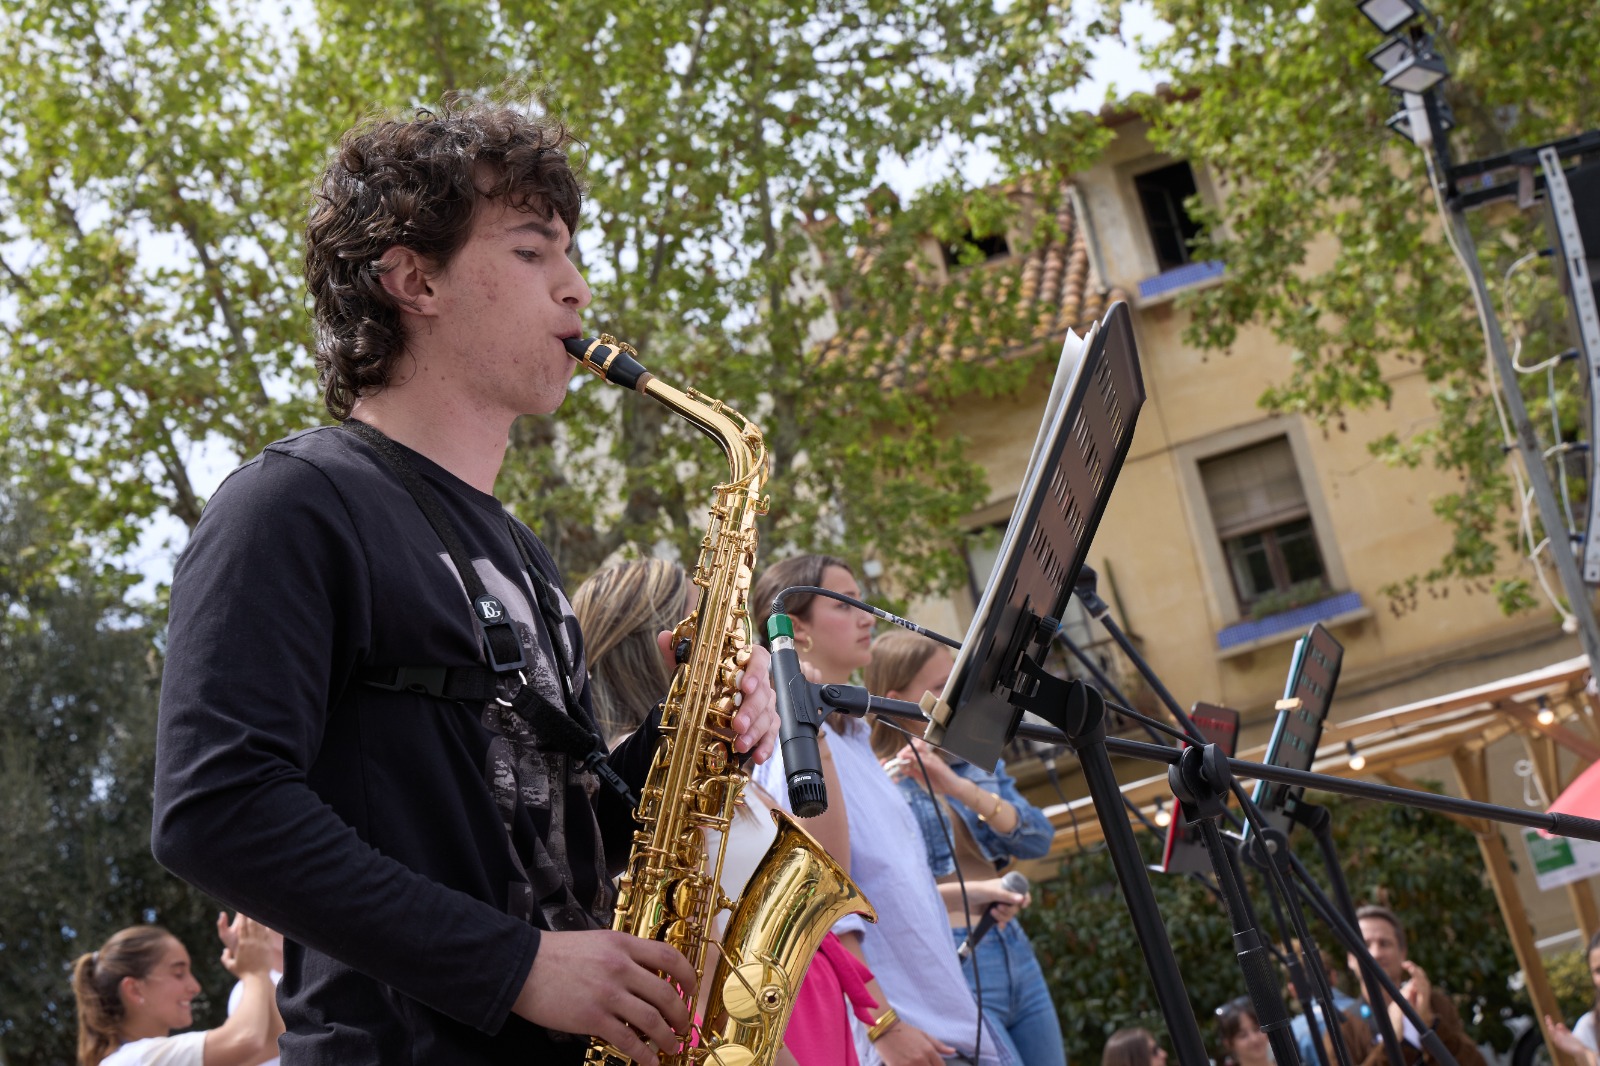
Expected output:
(631, 760)
(271, 606)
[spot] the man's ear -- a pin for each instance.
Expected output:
(407, 278)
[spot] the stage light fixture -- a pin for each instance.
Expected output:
(1416, 73)
(1358, 761)
(1389, 15)
(1388, 55)
(1546, 716)
(1163, 816)
(1401, 121)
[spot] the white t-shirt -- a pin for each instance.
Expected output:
(185, 1049)
(237, 993)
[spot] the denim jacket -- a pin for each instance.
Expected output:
(1029, 840)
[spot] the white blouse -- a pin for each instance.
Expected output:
(909, 949)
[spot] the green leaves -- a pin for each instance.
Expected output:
(148, 193)
(156, 162)
(1330, 234)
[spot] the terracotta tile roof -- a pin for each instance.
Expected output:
(1056, 295)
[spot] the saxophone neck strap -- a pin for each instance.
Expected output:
(501, 647)
(570, 733)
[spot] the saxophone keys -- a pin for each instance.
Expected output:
(683, 898)
(753, 989)
(714, 759)
(729, 1055)
(678, 934)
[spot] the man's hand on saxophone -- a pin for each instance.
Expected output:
(608, 984)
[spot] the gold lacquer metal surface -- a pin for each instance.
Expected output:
(671, 888)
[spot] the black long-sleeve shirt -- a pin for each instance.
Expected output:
(357, 821)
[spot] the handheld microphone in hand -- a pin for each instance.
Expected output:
(1015, 881)
(800, 713)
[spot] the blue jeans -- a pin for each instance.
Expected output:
(1015, 1000)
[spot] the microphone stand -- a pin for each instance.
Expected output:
(1200, 781)
(1320, 822)
(1081, 713)
(1098, 609)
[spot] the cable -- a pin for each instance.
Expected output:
(1505, 285)
(949, 842)
(876, 612)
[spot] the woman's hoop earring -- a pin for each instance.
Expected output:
(809, 643)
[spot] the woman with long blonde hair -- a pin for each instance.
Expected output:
(622, 610)
(137, 988)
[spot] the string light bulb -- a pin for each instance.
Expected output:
(1547, 717)
(1358, 761)
(1163, 816)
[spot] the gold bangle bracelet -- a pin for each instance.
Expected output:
(985, 819)
(884, 1023)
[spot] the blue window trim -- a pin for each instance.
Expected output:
(1296, 618)
(1180, 278)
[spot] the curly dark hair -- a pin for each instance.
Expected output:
(416, 183)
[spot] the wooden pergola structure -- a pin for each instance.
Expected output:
(1549, 709)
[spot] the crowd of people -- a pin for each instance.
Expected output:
(414, 759)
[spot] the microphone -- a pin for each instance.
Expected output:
(1016, 882)
(800, 712)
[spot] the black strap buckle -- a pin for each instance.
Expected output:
(440, 682)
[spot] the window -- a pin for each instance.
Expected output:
(1264, 524)
(1161, 194)
(989, 248)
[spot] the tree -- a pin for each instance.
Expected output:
(151, 172)
(732, 154)
(1420, 864)
(78, 680)
(1277, 100)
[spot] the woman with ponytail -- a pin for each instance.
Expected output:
(138, 987)
(990, 823)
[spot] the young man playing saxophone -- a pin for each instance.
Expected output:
(399, 776)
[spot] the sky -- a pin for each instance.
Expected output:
(1113, 73)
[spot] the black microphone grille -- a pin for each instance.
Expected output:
(1016, 881)
(808, 795)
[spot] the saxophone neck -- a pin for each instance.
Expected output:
(617, 362)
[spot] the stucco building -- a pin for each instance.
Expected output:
(1231, 530)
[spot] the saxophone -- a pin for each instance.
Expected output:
(669, 891)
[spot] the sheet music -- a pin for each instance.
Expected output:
(1068, 367)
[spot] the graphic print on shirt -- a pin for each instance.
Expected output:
(522, 774)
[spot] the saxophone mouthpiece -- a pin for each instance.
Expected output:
(614, 360)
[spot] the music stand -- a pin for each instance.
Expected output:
(1313, 673)
(1184, 854)
(1083, 440)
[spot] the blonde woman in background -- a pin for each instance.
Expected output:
(990, 824)
(627, 613)
(133, 992)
